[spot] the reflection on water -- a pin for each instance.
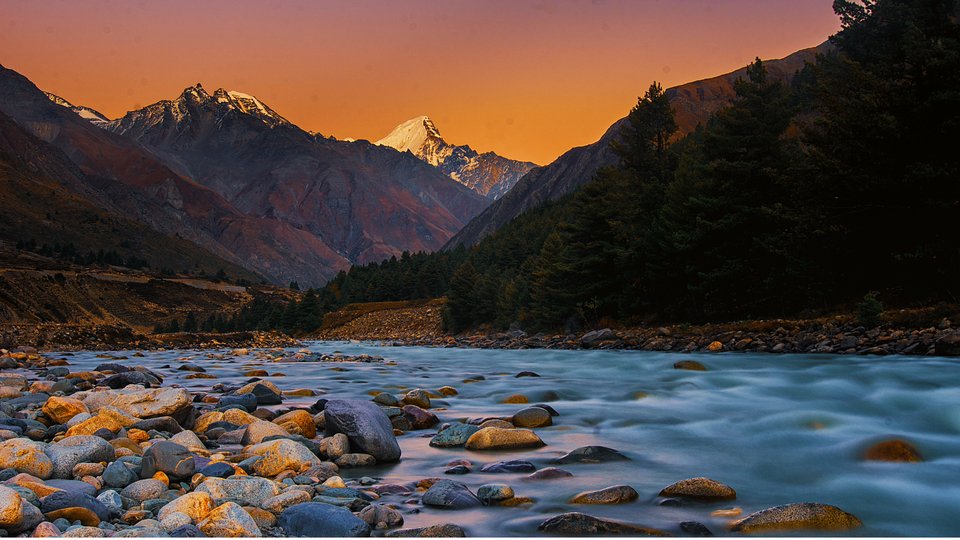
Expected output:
(779, 429)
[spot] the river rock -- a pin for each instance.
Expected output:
(494, 493)
(503, 439)
(577, 524)
(73, 514)
(444, 530)
(353, 460)
(297, 422)
(450, 495)
(186, 531)
(119, 475)
(797, 517)
(66, 453)
(318, 519)
(26, 456)
(453, 435)
(281, 455)
(229, 520)
(68, 499)
(246, 489)
(549, 473)
(73, 485)
(259, 430)
(197, 505)
(143, 490)
(417, 397)
(690, 365)
(695, 528)
(247, 402)
(284, 500)
(420, 418)
(175, 520)
(896, 450)
(591, 454)
(381, 516)
(153, 402)
(699, 488)
(609, 495)
(218, 469)
(512, 466)
(62, 409)
(367, 427)
(11, 508)
(386, 399)
(532, 417)
(84, 532)
(170, 458)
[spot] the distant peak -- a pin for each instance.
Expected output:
(412, 135)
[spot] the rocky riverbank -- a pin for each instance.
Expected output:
(93, 337)
(113, 451)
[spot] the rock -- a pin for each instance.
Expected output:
(948, 345)
(367, 427)
(175, 520)
(263, 518)
(577, 524)
(170, 458)
(896, 450)
(73, 485)
(447, 391)
(246, 489)
(419, 418)
(218, 469)
(281, 455)
(355, 460)
(386, 399)
(445, 530)
(797, 517)
(335, 446)
(93, 425)
(516, 399)
(512, 466)
(458, 469)
(229, 520)
(26, 456)
(453, 435)
(62, 409)
(84, 532)
(595, 336)
(691, 365)
(68, 499)
(112, 500)
(610, 495)
(503, 439)
(66, 453)
(526, 374)
(46, 530)
(297, 423)
(11, 508)
(591, 454)
(694, 528)
(197, 505)
(87, 469)
(416, 397)
(321, 520)
(259, 430)
(532, 417)
(121, 380)
(549, 473)
(381, 516)
(190, 441)
(154, 402)
(86, 517)
(186, 531)
(143, 490)
(167, 424)
(119, 475)
(450, 495)
(699, 488)
(715, 346)
(284, 500)
(494, 493)
(248, 402)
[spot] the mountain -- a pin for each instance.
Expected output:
(488, 174)
(86, 113)
(693, 104)
(343, 202)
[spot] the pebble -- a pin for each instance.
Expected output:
(512, 466)
(610, 495)
(450, 495)
(798, 516)
(503, 439)
(699, 488)
(549, 473)
(894, 450)
(229, 520)
(445, 530)
(577, 524)
(591, 454)
(454, 435)
(494, 493)
(532, 417)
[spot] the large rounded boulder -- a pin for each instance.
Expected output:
(366, 425)
(317, 520)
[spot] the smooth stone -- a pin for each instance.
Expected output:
(695, 528)
(70, 499)
(281, 455)
(444, 530)
(66, 453)
(417, 397)
(503, 439)
(153, 402)
(796, 517)
(691, 365)
(367, 427)
(259, 430)
(609, 495)
(26, 456)
(175, 520)
(170, 458)
(112, 500)
(355, 460)
(453, 436)
(284, 500)
(457, 469)
(11, 508)
(197, 505)
(298, 422)
(512, 466)
(336, 445)
(318, 519)
(381, 516)
(62, 409)
(494, 493)
(532, 417)
(190, 441)
(186, 531)
(591, 454)
(166, 424)
(84, 532)
(119, 475)
(73, 485)
(386, 399)
(450, 495)
(894, 450)
(229, 520)
(549, 473)
(420, 418)
(73, 514)
(142, 490)
(250, 490)
(577, 524)
(218, 469)
(699, 488)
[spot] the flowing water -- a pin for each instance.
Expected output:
(777, 428)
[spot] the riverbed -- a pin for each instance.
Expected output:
(777, 428)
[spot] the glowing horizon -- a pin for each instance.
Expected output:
(528, 80)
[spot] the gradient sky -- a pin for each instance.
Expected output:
(527, 79)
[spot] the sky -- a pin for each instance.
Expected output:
(526, 79)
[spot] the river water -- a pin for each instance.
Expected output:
(777, 428)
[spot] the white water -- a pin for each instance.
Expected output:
(777, 428)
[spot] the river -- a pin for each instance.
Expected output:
(777, 428)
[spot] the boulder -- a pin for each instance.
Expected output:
(314, 519)
(512, 466)
(285, 500)
(577, 524)
(896, 450)
(246, 489)
(494, 493)
(609, 495)
(26, 456)
(381, 516)
(61, 409)
(450, 495)
(699, 488)
(297, 423)
(281, 455)
(367, 427)
(503, 439)
(259, 430)
(454, 435)
(420, 418)
(73, 499)
(532, 417)
(170, 458)
(229, 520)
(144, 490)
(444, 530)
(11, 508)
(154, 402)
(69, 451)
(417, 397)
(591, 454)
(797, 517)
(197, 505)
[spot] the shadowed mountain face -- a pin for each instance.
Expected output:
(693, 104)
(488, 174)
(363, 202)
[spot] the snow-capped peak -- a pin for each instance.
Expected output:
(86, 113)
(414, 135)
(248, 104)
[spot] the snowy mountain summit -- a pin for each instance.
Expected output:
(489, 174)
(86, 113)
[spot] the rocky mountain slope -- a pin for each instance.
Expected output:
(693, 104)
(488, 174)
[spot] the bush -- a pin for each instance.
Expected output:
(870, 310)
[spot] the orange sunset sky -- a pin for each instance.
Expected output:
(527, 79)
